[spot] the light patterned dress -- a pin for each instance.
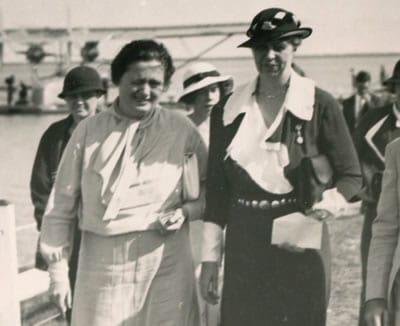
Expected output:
(119, 175)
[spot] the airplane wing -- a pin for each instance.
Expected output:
(42, 35)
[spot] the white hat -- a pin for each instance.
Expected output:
(200, 75)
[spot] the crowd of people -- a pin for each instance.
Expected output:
(115, 191)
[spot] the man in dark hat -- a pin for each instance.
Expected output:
(81, 91)
(361, 102)
(376, 129)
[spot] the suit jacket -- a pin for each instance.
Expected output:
(376, 130)
(384, 253)
(349, 110)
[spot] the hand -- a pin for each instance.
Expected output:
(170, 222)
(209, 282)
(375, 311)
(60, 295)
(362, 195)
(319, 214)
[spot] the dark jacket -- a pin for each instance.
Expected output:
(48, 156)
(326, 133)
(349, 109)
(375, 131)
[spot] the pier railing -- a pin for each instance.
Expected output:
(23, 296)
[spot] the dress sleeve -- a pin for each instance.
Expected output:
(199, 147)
(385, 229)
(62, 207)
(41, 183)
(217, 191)
(338, 146)
(195, 208)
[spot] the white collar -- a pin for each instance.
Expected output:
(396, 110)
(299, 99)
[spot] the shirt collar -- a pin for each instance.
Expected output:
(299, 100)
(300, 97)
(239, 102)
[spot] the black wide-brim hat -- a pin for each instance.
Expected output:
(81, 79)
(273, 24)
(395, 78)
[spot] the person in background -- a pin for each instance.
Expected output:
(262, 139)
(22, 94)
(10, 88)
(81, 91)
(376, 130)
(203, 87)
(122, 177)
(357, 105)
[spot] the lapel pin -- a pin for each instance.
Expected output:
(299, 136)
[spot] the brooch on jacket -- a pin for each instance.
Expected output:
(299, 133)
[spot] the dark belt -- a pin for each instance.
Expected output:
(265, 204)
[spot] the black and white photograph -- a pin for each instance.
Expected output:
(199, 163)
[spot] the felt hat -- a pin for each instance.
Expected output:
(273, 24)
(81, 79)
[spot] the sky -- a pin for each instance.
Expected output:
(339, 26)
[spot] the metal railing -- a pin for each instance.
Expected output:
(10, 301)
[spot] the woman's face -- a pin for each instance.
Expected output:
(275, 58)
(206, 98)
(82, 105)
(140, 88)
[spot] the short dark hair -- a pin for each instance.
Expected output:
(363, 77)
(141, 50)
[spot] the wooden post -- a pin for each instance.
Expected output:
(9, 302)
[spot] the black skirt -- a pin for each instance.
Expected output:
(263, 284)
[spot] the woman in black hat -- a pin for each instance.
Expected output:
(274, 144)
(123, 173)
(81, 91)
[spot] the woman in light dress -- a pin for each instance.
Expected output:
(121, 173)
(203, 88)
